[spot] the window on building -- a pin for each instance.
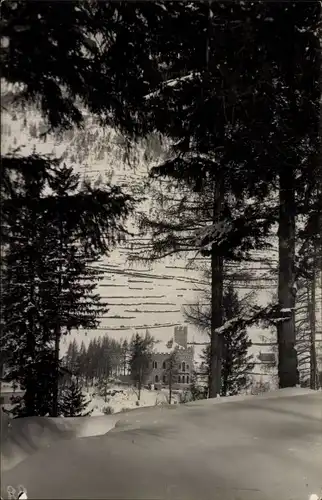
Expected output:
(182, 379)
(155, 365)
(164, 365)
(183, 366)
(164, 378)
(188, 379)
(156, 379)
(179, 379)
(187, 368)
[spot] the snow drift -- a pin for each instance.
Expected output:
(22, 437)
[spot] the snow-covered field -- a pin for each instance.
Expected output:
(120, 398)
(7, 388)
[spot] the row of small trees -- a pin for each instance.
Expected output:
(103, 358)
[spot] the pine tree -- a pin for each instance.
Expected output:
(72, 402)
(237, 363)
(24, 338)
(140, 359)
(82, 361)
(125, 356)
(63, 85)
(284, 91)
(104, 357)
(90, 367)
(193, 160)
(52, 285)
(71, 357)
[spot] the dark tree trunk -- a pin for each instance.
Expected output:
(56, 368)
(58, 327)
(216, 304)
(312, 318)
(287, 365)
(31, 383)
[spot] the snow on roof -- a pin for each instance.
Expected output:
(166, 347)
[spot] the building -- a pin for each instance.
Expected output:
(158, 375)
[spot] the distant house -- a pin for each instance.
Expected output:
(158, 375)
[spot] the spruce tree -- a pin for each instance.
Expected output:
(72, 402)
(237, 363)
(24, 337)
(71, 357)
(87, 52)
(81, 363)
(48, 273)
(125, 356)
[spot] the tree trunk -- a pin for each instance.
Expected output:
(224, 383)
(320, 175)
(30, 390)
(58, 327)
(30, 386)
(139, 385)
(105, 391)
(312, 319)
(216, 303)
(56, 368)
(287, 365)
(170, 387)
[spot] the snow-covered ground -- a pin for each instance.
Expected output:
(120, 398)
(8, 388)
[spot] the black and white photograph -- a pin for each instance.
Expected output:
(161, 250)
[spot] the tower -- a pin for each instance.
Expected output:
(181, 336)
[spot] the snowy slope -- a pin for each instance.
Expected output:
(122, 398)
(140, 297)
